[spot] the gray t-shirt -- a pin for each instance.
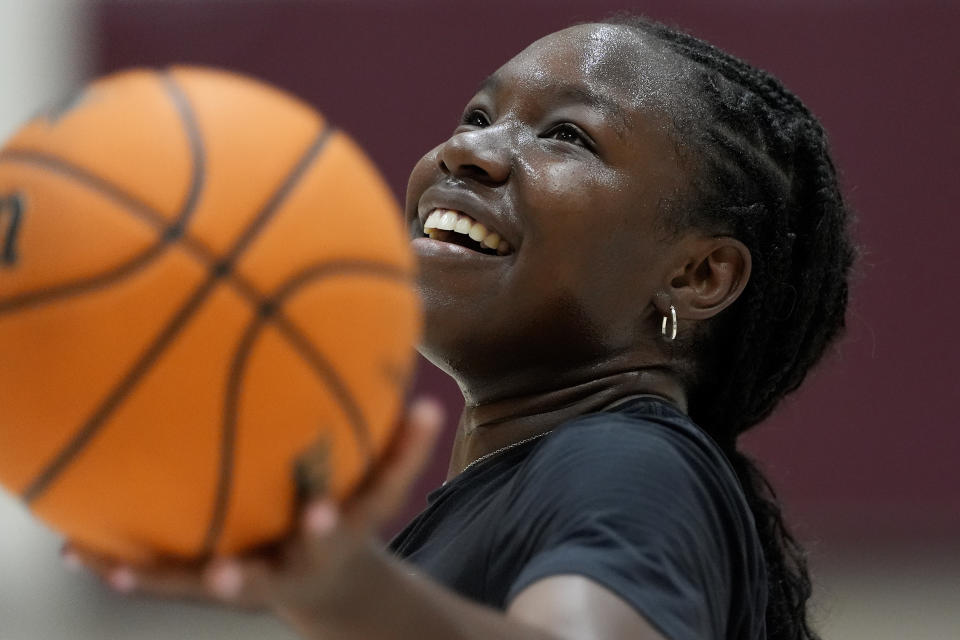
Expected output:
(636, 498)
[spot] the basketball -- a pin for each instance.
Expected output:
(201, 279)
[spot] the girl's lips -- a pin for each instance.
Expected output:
(429, 248)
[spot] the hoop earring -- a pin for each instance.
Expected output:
(672, 334)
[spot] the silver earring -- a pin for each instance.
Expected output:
(672, 333)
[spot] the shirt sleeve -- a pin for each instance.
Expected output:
(645, 510)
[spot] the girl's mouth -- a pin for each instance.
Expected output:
(458, 228)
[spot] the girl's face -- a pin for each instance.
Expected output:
(564, 153)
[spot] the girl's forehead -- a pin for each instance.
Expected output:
(592, 45)
(610, 58)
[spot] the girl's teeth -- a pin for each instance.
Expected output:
(432, 221)
(491, 241)
(463, 225)
(447, 220)
(478, 232)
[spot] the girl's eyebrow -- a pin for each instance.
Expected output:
(566, 92)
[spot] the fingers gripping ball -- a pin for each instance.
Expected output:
(200, 281)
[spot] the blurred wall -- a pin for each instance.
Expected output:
(45, 48)
(865, 456)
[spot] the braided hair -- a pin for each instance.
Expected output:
(761, 173)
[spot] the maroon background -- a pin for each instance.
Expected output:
(868, 450)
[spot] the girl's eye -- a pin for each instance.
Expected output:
(566, 132)
(475, 118)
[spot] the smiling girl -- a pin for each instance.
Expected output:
(631, 248)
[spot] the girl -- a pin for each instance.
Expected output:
(631, 248)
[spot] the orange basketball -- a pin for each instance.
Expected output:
(200, 279)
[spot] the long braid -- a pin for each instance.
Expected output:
(764, 175)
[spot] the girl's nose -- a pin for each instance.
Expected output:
(482, 155)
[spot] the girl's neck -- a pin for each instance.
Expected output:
(494, 424)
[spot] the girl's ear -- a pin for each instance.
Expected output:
(711, 275)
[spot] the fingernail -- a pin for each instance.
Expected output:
(320, 518)
(225, 580)
(123, 580)
(71, 560)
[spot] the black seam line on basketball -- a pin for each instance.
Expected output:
(346, 266)
(138, 262)
(8, 247)
(274, 202)
(198, 156)
(228, 436)
(194, 246)
(93, 182)
(75, 287)
(169, 231)
(314, 359)
(122, 390)
(92, 426)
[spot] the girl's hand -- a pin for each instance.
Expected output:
(302, 572)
